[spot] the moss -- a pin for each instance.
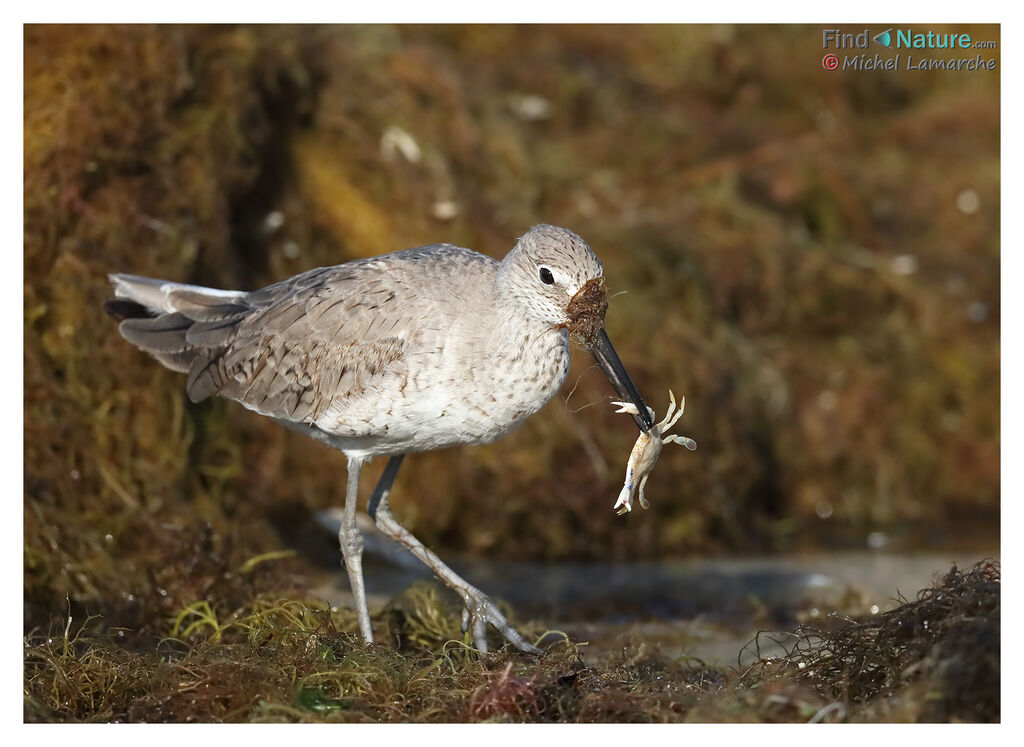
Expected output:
(932, 659)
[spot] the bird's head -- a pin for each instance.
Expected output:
(555, 277)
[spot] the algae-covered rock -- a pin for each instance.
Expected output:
(811, 258)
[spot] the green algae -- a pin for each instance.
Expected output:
(932, 659)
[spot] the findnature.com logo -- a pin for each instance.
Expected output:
(897, 39)
(902, 39)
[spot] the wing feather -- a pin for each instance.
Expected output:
(319, 342)
(303, 344)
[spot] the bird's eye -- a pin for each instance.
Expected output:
(546, 277)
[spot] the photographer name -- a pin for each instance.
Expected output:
(877, 62)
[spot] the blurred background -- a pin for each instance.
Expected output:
(810, 257)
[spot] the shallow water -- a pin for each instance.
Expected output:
(706, 608)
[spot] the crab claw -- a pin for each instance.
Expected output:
(625, 502)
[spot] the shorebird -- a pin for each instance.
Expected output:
(406, 352)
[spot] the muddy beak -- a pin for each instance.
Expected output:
(586, 313)
(601, 348)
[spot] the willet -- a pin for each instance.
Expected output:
(406, 352)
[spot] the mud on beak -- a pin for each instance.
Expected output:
(586, 326)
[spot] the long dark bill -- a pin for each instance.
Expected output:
(601, 348)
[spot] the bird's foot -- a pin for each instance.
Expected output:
(479, 611)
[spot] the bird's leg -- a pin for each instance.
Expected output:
(479, 609)
(352, 548)
(383, 489)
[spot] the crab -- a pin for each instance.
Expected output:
(646, 450)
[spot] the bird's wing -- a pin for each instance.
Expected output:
(316, 339)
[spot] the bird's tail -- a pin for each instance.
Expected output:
(174, 322)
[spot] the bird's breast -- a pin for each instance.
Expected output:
(519, 382)
(455, 394)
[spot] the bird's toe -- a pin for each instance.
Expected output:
(478, 612)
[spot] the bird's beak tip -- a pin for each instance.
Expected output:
(601, 348)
